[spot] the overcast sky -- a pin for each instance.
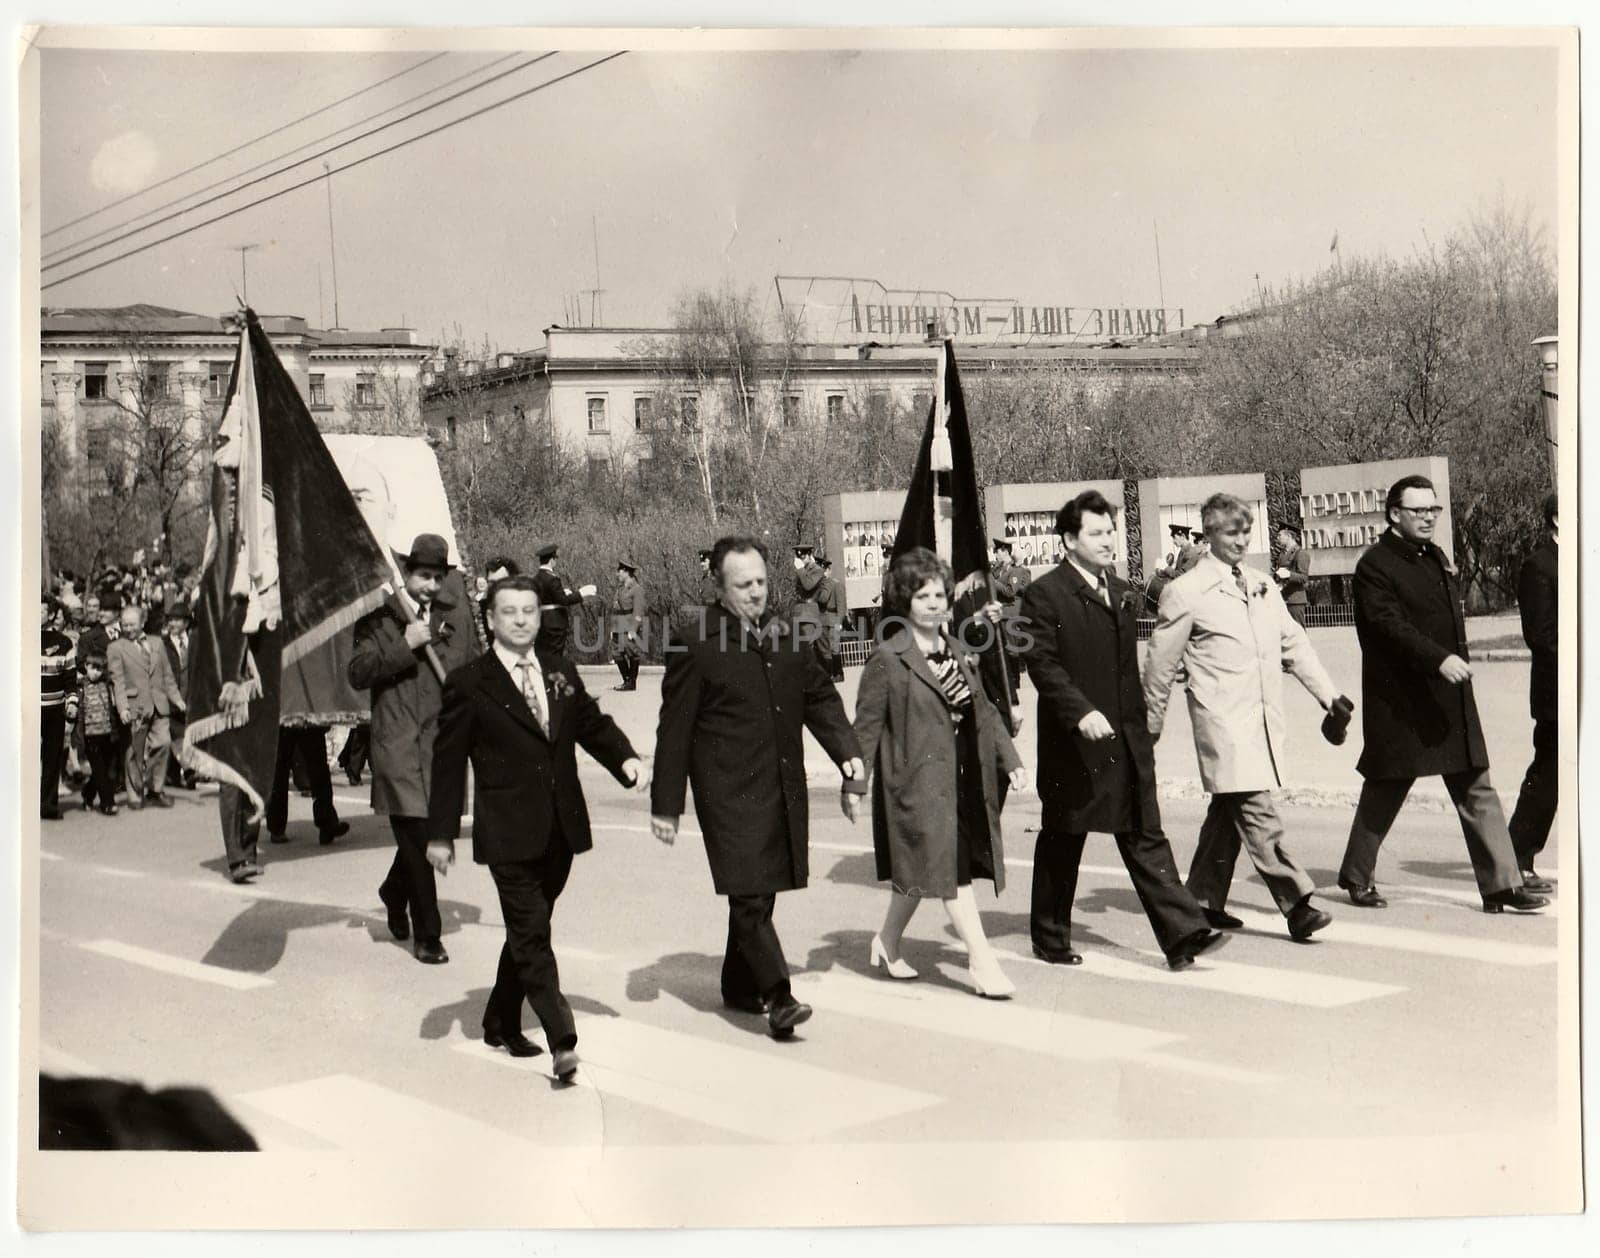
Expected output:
(1036, 176)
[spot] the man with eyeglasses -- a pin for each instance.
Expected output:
(1419, 717)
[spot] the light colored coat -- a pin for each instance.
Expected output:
(1235, 651)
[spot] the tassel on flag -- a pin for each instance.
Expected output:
(289, 562)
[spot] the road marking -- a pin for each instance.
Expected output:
(180, 966)
(351, 1113)
(1437, 943)
(117, 873)
(683, 831)
(1290, 987)
(247, 890)
(764, 1095)
(926, 1008)
(50, 856)
(56, 1061)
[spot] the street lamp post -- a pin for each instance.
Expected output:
(1551, 397)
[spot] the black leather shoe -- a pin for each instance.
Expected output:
(161, 800)
(1305, 920)
(431, 952)
(1516, 899)
(1539, 886)
(785, 1014)
(1221, 920)
(564, 1065)
(1366, 897)
(399, 919)
(277, 838)
(1191, 946)
(1069, 957)
(745, 1004)
(338, 829)
(244, 871)
(514, 1042)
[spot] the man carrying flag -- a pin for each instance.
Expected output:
(289, 562)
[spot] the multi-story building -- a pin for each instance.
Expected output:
(107, 372)
(604, 390)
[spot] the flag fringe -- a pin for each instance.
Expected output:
(207, 765)
(332, 624)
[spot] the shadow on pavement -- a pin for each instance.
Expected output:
(1446, 871)
(255, 941)
(694, 978)
(860, 870)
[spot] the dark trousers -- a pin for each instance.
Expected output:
(52, 744)
(304, 745)
(1483, 825)
(238, 835)
(410, 881)
(753, 965)
(353, 759)
(1174, 915)
(177, 775)
(528, 892)
(1247, 818)
(101, 751)
(1536, 803)
(1297, 613)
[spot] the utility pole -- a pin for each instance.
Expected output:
(1161, 287)
(333, 252)
(244, 271)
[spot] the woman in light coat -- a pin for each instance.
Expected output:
(1228, 627)
(935, 748)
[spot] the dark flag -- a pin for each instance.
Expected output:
(289, 562)
(941, 510)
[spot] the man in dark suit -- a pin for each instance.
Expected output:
(517, 715)
(402, 651)
(555, 597)
(176, 618)
(740, 689)
(1419, 716)
(1540, 603)
(1096, 758)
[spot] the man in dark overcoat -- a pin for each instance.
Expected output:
(1419, 716)
(738, 693)
(391, 658)
(1540, 604)
(1096, 759)
(517, 715)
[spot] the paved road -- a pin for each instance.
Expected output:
(289, 999)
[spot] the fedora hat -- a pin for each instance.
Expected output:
(429, 550)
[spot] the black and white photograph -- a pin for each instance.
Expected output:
(554, 543)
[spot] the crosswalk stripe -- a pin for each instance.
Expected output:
(763, 1095)
(50, 856)
(921, 1007)
(1291, 987)
(1437, 943)
(114, 872)
(180, 966)
(352, 1113)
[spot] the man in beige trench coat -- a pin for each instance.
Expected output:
(1230, 629)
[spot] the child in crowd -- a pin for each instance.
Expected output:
(97, 725)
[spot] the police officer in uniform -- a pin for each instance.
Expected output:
(555, 597)
(1010, 580)
(627, 619)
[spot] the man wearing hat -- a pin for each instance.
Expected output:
(1010, 580)
(555, 596)
(708, 584)
(830, 600)
(175, 637)
(627, 619)
(402, 651)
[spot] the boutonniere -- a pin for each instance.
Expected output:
(1130, 601)
(1260, 591)
(559, 684)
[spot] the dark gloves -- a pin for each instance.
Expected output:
(1337, 722)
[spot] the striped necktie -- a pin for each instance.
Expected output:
(530, 692)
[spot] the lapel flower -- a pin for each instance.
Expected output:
(1261, 590)
(1130, 603)
(558, 684)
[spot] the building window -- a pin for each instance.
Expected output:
(597, 415)
(217, 380)
(691, 414)
(643, 413)
(835, 408)
(366, 388)
(319, 390)
(157, 384)
(449, 430)
(96, 445)
(94, 381)
(791, 409)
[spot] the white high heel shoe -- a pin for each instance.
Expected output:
(894, 968)
(988, 979)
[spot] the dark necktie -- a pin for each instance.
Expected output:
(1238, 579)
(1103, 588)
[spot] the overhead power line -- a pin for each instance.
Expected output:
(350, 165)
(49, 258)
(211, 161)
(273, 174)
